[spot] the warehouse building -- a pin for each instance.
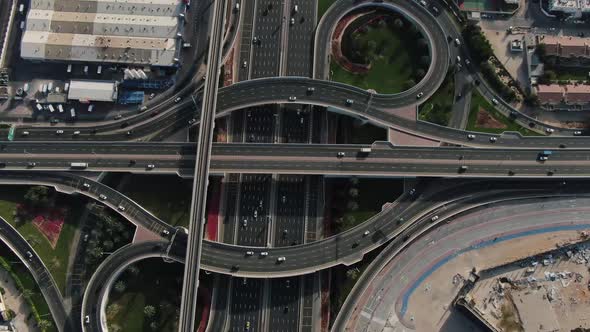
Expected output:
(137, 32)
(89, 90)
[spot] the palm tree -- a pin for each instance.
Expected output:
(44, 324)
(149, 311)
(120, 286)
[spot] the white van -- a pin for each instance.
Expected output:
(69, 68)
(39, 107)
(90, 108)
(51, 109)
(99, 70)
(60, 108)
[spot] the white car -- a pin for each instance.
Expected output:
(471, 136)
(292, 98)
(177, 99)
(86, 185)
(495, 101)
(549, 130)
(457, 42)
(121, 208)
(59, 132)
(423, 3)
(249, 253)
(577, 133)
(264, 254)
(493, 139)
(543, 158)
(281, 259)
(435, 218)
(349, 101)
(418, 96)
(102, 197)
(341, 154)
(367, 232)
(151, 166)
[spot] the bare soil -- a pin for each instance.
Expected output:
(486, 120)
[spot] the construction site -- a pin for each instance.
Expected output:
(546, 292)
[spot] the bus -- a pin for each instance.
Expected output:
(11, 133)
(79, 165)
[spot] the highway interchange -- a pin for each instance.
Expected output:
(509, 155)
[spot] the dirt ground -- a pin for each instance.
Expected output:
(485, 120)
(431, 306)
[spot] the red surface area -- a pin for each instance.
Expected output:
(213, 213)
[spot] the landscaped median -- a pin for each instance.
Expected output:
(483, 117)
(438, 108)
(47, 220)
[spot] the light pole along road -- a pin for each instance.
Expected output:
(188, 305)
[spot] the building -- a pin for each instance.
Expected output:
(574, 8)
(88, 90)
(577, 94)
(550, 94)
(138, 32)
(565, 47)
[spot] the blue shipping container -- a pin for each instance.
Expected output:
(130, 97)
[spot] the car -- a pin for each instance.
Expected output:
(165, 232)
(458, 59)
(247, 326)
(86, 185)
(367, 232)
(495, 101)
(129, 133)
(493, 139)
(543, 158)
(244, 64)
(457, 42)
(151, 96)
(29, 254)
(288, 283)
(470, 136)
(118, 117)
(434, 218)
(249, 253)
(151, 166)
(26, 133)
(292, 21)
(423, 3)
(310, 90)
(86, 319)
(192, 121)
(264, 254)
(463, 168)
(292, 98)
(54, 121)
(285, 233)
(76, 133)
(467, 62)
(577, 133)
(244, 222)
(435, 9)
(412, 191)
(281, 259)
(341, 154)
(549, 130)
(102, 197)
(31, 164)
(121, 208)
(255, 40)
(177, 99)
(419, 95)
(349, 101)
(59, 132)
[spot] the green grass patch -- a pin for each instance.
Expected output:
(323, 6)
(172, 201)
(477, 102)
(438, 108)
(391, 64)
(154, 283)
(56, 259)
(575, 74)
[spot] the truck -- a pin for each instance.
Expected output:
(363, 152)
(78, 165)
(544, 155)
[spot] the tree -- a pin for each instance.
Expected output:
(113, 309)
(353, 192)
(398, 23)
(541, 52)
(352, 205)
(133, 269)
(425, 61)
(154, 326)
(44, 324)
(108, 245)
(547, 77)
(120, 286)
(353, 273)
(27, 293)
(37, 196)
(149, 311)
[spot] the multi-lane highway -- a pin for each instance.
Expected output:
(188, 305)
(383, 160)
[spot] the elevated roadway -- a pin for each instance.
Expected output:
(383, 160)
(335, 250)
(188, 304)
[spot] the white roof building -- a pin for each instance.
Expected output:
(141, 32)
(88, 90)
(572, 7)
